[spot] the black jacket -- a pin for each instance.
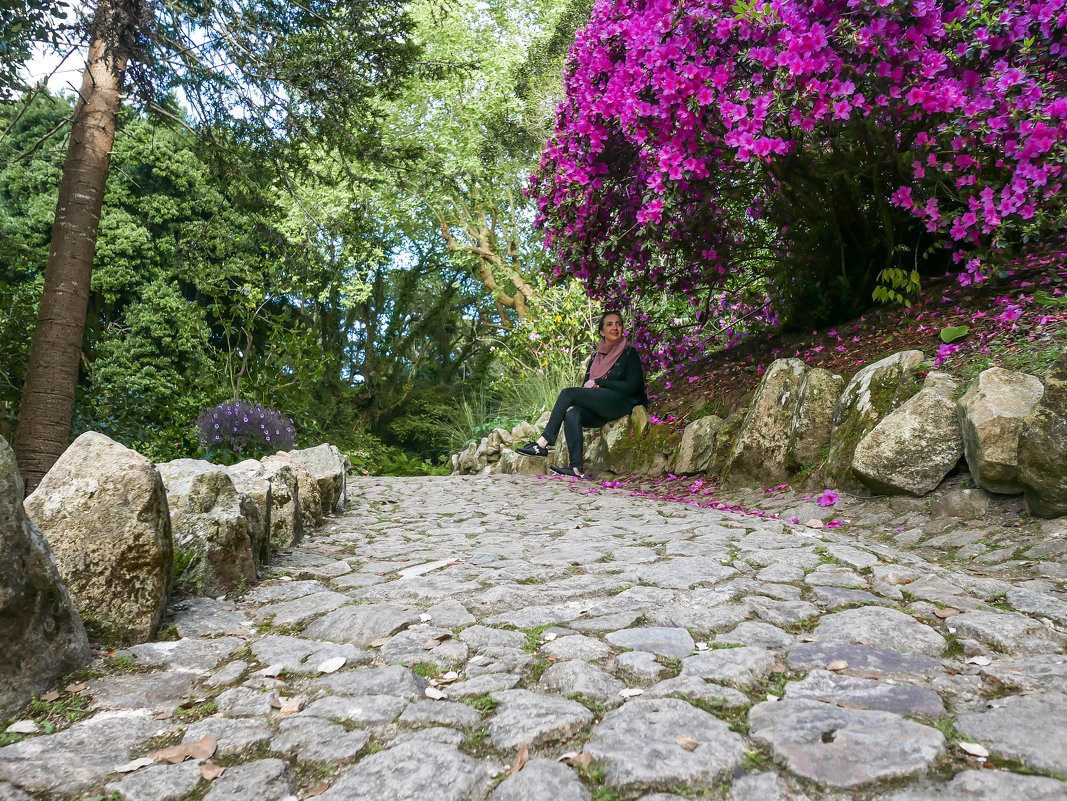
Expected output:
(625, 377)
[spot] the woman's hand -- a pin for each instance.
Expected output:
(590, 384)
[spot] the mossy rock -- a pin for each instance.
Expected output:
(1042, 445)
(873, 393)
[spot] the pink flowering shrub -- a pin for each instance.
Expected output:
(825, 145)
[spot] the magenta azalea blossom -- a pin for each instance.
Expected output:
(828, 498)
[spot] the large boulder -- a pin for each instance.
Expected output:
(873, 392)
(103, 510)
(518, 463)
(213, 551)
(466, 464)
(697, 446)
(724, 441)
(273, 486)
(915, 446)
(809, 431)
(991, 415)
(632, 446)
(759, 449)
(327, 465)
(592, 452)
(307, 488)
(1043, 447)
(41, 630)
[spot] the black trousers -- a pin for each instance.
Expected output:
(578, 408)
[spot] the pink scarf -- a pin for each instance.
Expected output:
(606, 356)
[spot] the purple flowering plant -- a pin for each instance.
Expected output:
(241, 429)
(700, 140)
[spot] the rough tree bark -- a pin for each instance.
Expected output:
(52, 375)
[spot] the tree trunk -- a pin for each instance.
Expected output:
(52, 374)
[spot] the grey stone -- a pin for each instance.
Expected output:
(763, 635)
(526, 718)
(65, 763)
(889, 628)
(694, 688)
(914, 447)
(244, 702)
(577, 646)
(599, 623)
(157, 783)
(9, 792)
(991, 415)
(479, 685)
(41, 630)
(205, 617)
(103, 510)
(809, 429)
(409, 647)
(834, 576)
(184, 654)
(285, 519)
(272, 591)
(481, 637)
(871, 394)
(1031, 729)
(861, 657)
(1007, 631)
(836, 597)
(300, 609)
(235, 736)
(307, 488)
(317, 740)
(154, 692)
(740, 667)
(683, 572)
(763, 787)
(362, 625)
(449, 614)
(853, 692)
(542, 780)
(326, 464)
(363, 710)
(262, 780)
(986, 785)
(412, 771)
(965, 504)
(299, 655)
(673, 643)
(697, 446)
(1039, 603)
(210, 528)
(642, 665)
(834, 746)
(582, 678)
(1041, 672)
(780, 613)
(759, 449)
(431, 734)
(441, 713)
(637, 744)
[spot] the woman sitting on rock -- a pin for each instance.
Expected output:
(614, 384)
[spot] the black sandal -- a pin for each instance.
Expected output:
(532, 449)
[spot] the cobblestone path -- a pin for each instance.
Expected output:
(444, 630)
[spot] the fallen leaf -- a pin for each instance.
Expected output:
(273, 671)
(275, 703)
(429, 645)
(521, 759)
(631, 692)
(836, 664)
(318, 789)
(813, 523)
(76, 688)
(172, 754)
(244, 634)
(568, 755)
(378, 643)
(204, 749)
(425, 618)
(333, 664)
(702, 646)
(290, 706)
(943, 613)
(50, 696)
(550, 636)
(974, 749)
(167, 715)
(575, 563)
(448, 677)
(22, 727)
(578, 761)
(209, 771)
(688, 743)
(434, 693)
(137, 764)
(980, 660)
